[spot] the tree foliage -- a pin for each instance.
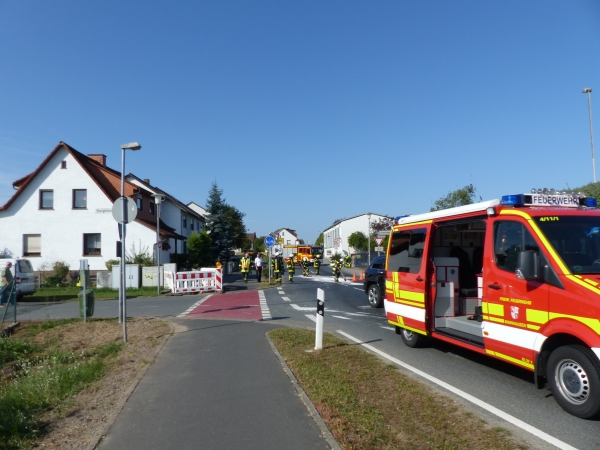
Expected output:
(218, 224)
(259, 244)
(590, 189)
(238, 229)
(358, 241)
(320, 240)
(199, 249)
(381, 224)
(459, 197)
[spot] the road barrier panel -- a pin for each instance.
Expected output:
(203, 280)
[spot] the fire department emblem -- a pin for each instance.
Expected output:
(514, 312)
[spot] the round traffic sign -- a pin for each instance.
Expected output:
(269, 241)
(130, 210)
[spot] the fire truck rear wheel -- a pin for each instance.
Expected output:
(374, 296)
(574, 377)
(412, 339)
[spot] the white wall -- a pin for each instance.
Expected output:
(62, 228)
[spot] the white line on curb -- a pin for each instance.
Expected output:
(264, 308)
(492, 409)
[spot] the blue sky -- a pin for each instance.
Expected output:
(306, 112)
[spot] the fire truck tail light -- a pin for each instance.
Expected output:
(514, 200)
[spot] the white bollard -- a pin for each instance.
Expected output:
(320, 316)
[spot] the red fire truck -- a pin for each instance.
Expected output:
(516, 279)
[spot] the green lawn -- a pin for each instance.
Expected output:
(58, 294)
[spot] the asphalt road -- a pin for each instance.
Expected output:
(506, 387)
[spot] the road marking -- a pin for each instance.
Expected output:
(387, 328)
(340, 317)
(264, 308)
(281, 292)
(364, 307)
(287, 299)
(191, 308)
(313, 318)
(492, 409)
(303, 308)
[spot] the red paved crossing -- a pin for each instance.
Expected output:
(236, 305)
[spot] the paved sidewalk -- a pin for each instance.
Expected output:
(216, 385)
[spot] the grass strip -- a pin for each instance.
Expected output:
(369, 404)
(59, 294)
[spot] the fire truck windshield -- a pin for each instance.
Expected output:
(576, 239)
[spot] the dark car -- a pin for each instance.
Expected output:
(375, 282)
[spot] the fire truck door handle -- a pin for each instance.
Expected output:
(494, 286)
(419, 279)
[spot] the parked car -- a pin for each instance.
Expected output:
(374, 283)
(22, 272)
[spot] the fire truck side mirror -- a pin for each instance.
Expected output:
(527, 265)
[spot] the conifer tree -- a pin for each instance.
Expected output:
(218, 224)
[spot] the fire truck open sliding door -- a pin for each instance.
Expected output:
(406, 289)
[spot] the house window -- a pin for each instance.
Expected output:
(184, 246)
(46, 199)
(79, 198)
(92, 244)
(151, 208)
(63, 164)
(184, 221)
(139, 202)
(192, 224)
(197, 226)
(32, 245)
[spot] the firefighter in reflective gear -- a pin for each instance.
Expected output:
(291, 268)
(317, 264)
(245, 266)
(348, 261)
(277, 264)
(305, 266)
(337, 269)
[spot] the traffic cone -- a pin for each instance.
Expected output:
(354, 276)
(362, 276)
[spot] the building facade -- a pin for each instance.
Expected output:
(335, 238)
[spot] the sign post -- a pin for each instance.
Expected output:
(269, 241)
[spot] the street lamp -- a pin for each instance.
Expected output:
(588, 91)
(123, 296)
(157, 200)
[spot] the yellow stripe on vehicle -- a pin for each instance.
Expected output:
(511, 359)
(402, 225)
(414, 330)
(533, 327)
(410, 295)
(592, 282)
(584, 284)
(540, 235)
(493, 308)
(395, 277)
(389, 285)
(534, 315)
(594, 324)
(416, 305)
(495, 319)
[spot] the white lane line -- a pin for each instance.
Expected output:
(281, 292)
(287, 299)
(358, 289)
(313, 318)
(303, 308)
(340, 317)
(492, 409)
(387, 328)
(264, 308)
(194, 306)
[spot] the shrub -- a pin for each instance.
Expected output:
(141, 256)
(60, 271)
(112, 262)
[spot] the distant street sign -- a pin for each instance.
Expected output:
(383, 233)
(280, 240)
(379, 240)
(130, 210)
(378, 249)
(269, 241)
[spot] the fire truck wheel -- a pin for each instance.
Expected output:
(412, 339)
(574, 379)
(374, 295)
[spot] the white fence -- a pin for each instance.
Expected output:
(203, 280)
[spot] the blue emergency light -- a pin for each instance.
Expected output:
(591, 202)
(553, 200)
(513, 200)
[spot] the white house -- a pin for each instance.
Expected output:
(335, 238)
(63, 212)
(283, 237)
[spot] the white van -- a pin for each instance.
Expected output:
(22, 271)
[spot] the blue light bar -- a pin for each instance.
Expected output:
(514, 200)
(591, 202)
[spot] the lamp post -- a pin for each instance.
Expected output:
(157, 200)
(588, 91)
(123, 296)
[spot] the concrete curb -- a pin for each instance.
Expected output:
(109, 423)
(311, 408)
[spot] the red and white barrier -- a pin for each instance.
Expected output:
(203, 280)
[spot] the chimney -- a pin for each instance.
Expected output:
(147, 180)
(101, 159)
